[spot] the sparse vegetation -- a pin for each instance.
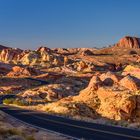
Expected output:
(8, 101)
(14, 101)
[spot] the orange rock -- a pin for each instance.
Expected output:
(19, 71)
(87, 52)
(115, 104)
(129, 83)
(43, 49)
(129, 42)
(95, 83)
(109, 78)
(104, 93)
(9, 54)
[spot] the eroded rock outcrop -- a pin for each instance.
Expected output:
(129, 42)
(132, 70)
(109, 78)
(115, 104)
(9, 55)
(130, 83)
(20, 71)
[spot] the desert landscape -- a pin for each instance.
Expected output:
(87, 84)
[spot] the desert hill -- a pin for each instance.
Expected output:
(83, 83)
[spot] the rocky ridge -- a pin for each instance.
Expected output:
(82, 82)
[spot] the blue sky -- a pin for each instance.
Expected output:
(67, 23)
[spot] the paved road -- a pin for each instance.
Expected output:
(77, 129)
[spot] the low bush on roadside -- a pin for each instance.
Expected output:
(18, 102)
(13, 101)
(8, 101)
(8, 133)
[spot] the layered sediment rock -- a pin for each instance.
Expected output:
(129, 42)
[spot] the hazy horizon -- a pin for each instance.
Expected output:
(67, 23)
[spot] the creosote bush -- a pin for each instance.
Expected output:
(8, 101)
(13, 101)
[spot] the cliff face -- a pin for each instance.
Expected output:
(9, 54)
(129, 42)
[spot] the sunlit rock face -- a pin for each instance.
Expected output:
(7, 55)
(130, 83)
(21, 71)
(132, 70)
(116, 104)
(30, 58)
(129, 42)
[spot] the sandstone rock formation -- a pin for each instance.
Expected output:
(116, 104)
(9, 55)
(87, 52)
(129, 83)
(129, 42)
(20, 71)
(83, 82)
(132, 70)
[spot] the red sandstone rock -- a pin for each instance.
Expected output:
(129, 83)
(43, 49)
(109, 78)
(94, 83)
(116, 104)
(19, 71)
(129, 42)
(9, 54)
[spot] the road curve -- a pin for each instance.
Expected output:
(77, 129)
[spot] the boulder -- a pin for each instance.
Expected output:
(86, 52)
(130, 83)
(95, 83)
(17, 69)
(115, 104)
(132, 70)
(109, 78)
(43, 49)
(20, 71)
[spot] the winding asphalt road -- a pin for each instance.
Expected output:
(77, 129)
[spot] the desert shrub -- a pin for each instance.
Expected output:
(30, 138)
(8, 101)
(18, 102)
(10, 132)
(14, 132)
(14, 101)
